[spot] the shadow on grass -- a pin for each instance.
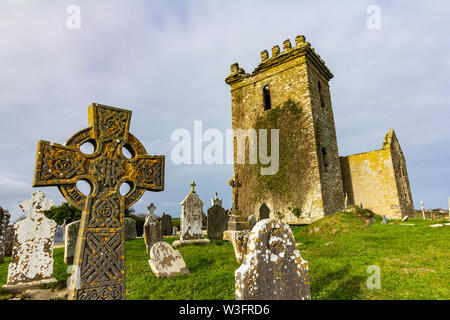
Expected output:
(337, 285)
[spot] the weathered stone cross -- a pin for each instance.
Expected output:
(235, 184)
(99, 263)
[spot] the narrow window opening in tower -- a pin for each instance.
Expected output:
(322, 103)
(325, 159)
(267, 102)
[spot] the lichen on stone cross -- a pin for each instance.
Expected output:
(235, 184)
(99, 262)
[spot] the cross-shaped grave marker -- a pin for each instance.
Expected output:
(99, 263)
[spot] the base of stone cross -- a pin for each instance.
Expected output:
(237, 223)
(180, 243)
(25, 286)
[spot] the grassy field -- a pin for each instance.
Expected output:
(413, 261)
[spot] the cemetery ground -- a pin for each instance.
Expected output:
(413, 260)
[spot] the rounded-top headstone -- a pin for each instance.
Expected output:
(217, 222)
(272, 268)
(166, 262)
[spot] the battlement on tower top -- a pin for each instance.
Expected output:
(301, 48)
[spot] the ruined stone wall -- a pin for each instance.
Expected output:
(300, 192)
(376, 180)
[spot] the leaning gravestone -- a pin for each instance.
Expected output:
(4, 222)
(99, 263)
(166, 262)
(174, 231)
(272, 268)
(130, 229)
(70, 241)
(32, 257)
(152, 232)
(191, 220)
(166, 224)
(217, 219)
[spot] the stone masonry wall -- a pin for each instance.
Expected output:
(372, 179)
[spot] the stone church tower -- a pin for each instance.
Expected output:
(288, 91)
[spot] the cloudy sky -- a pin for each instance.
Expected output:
(167, 61)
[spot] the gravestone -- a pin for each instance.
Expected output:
(174, 231)
(166, 224)
(264, 212)
(70, 241)
(59, 234)
(239, 240)
(191, 220)
(99, 263)
(4, 222)
(217, 220)
(166, 262)
(152, 232)
(151, 209)
(130, 229)
(9, 241)
(32, 257)
(272, 268)
(252, 221)
(204, 221)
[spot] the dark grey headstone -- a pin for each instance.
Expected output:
(166, 224)
(130, 229)
(70, 241)
(217, 222)
(59, 234)
(4, 222)
(9, 241)
(264, 212)
(152, 232)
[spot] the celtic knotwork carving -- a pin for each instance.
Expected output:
(107, 171)
(149, 172)
(100, 251)
(59, 163)
(103, 259)
(106, 212)
(112, 123)
(101, 293)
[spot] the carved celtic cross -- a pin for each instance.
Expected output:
(99, 263)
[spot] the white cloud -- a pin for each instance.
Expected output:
(167, 60)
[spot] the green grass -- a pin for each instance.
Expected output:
(413, 261)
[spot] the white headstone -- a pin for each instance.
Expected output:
(191, 216)
(216, 201)
(32, 256)
(166, 262)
